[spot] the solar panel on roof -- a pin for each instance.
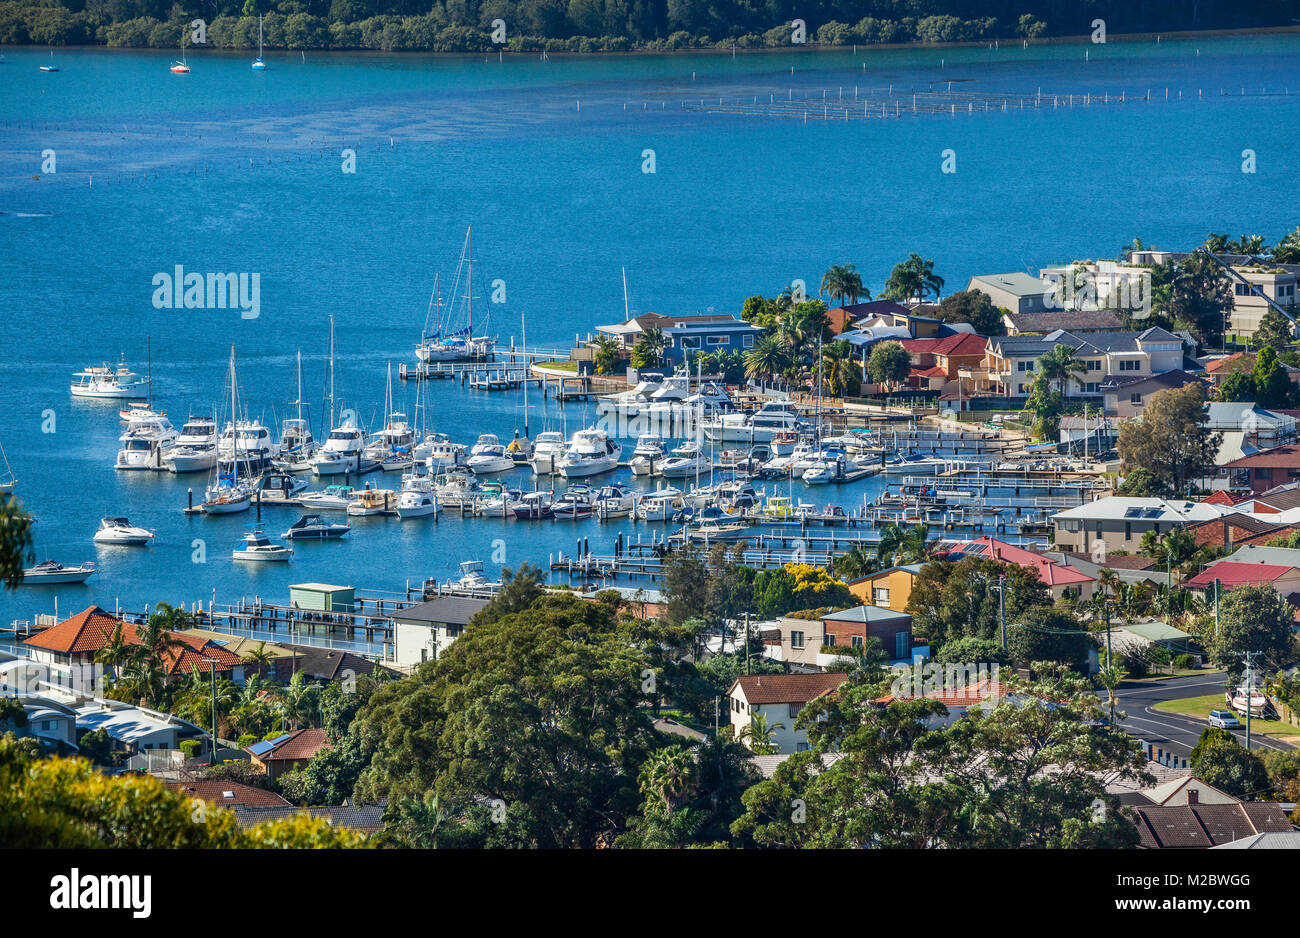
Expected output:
(1152, 513)
(1133, 513)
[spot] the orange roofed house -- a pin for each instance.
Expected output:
(287, 752)
(76, 641)
(1057, 577)
(779, 698)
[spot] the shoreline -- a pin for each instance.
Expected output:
(713, 49)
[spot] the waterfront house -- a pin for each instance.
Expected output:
(779, 698)
(1060, 579)
(687, 334)
(1017, 293)
(423, 632)
(936, 362)
(1257, 287)
(1076, 321)
(287, 752)
(1118, 522)
(76, 640)
(1127, 396)
(1010, 362)
(1218, 368)
(1283, 579)
(851, 628)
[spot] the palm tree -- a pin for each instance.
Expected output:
(655, 342)
(607, 353)
(842, 282)
(760, 734)
(904, 545)
(115, 651)
(1060, 365)
(768, 357)
(838, 370)
(670, 774)
(301, 700)
(857, 562)
(913, 279)
(155, 637)
(261, 657)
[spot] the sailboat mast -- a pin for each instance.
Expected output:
(626, 314)
(469, 249)
(331, 372)
(523, 322)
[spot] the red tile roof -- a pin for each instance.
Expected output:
(1279, 457)
(1232, 573)
(961, 343)
(1222, 497)
(216, 792)
(934, 371)
(1231, 363)
(301, 744)
(959, 697)
(785, 688)
(92, 628)
(1049, 571)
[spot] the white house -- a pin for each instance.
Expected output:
(778, 698)
(423, 632)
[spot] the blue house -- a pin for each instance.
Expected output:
(687, 335)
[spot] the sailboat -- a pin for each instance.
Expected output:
(180, 68)
(296, 444)
(228, 493)
(259, 65)
(51, 67)
(450, 343)
(7, 481)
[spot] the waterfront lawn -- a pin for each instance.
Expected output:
(1200, 707)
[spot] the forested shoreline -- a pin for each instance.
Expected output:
(598, 25)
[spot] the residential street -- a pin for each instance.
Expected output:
(1172, 731)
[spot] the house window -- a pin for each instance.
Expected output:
(1024, 366)
(880, 596)
(1135, 400)
(796, 639)
(690, 341)
(856, 641)
(719, 340)
(747, 341)
(1092, 387)
(1130, 364)
(901, 645)
(1128, 530)
(1094, 366)
(830, 639)
(793, 710)
(801, 747)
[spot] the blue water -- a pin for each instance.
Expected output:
(231, 170)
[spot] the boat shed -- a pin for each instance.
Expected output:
(322, 597)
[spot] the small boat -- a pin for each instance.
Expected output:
(331, 498)
(548, 452)
(226, 496)
(472, 578)
(121, 532)
(372, 501)
(456, 488)
(660, 505)
(296, 446)
(258, 64)
(195, 449)
(257, 546)
(520, 449)
(614, 501)
(488, 456)
(575, 504)
(648, 455)
(315, 527)
(1258, 706)
(146, 444)
(101, 381)
(51, 572)
(819, 473)
(497, 501)
(534, 506)
(417, 503)
(181, 68)
(441, 453)
(591, 452)
(51, 68)
(687, 460)
(139, 410)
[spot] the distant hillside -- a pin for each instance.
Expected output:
(604, 25)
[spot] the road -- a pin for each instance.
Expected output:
(1174, 732)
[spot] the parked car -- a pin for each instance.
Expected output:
(1224, 719)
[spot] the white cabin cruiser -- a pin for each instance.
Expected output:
(331, 498)
(53, 573)
(145, 443)
(343, 452)
(488, 456)
(392, 446)
(548, 453)
(591, 452)
(257, 546)
(660, 505)
(101, 381)
(533, 506)
(120, 532)
(441, 454)
(314, 527)
(762, 426)
(648, 455)
(472, 577)
(630, 403)
(195, 448)
(685, 461)
(614, 501)
(416, 499)
(246, 444)
(456, 488)
(296, 445)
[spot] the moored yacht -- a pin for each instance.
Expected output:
(534, 506)
(548, 453)
(314, 527)
(344, 451)
(762, 426)
(685, 461)
(488, 456)
(591, 452)
(246, 444)
(330, 498)
(145, 443)
(392, 446)
(648, 455)
(195, 449)
(53, 573)
(257, 546)
(296, 445)
(473, 578)
(101, 381)
(120, 532)
(629, 403)
(441, 454)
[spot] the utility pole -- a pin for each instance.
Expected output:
(1002, 608)
(1216, 607)
(212, 672)
(1250, 691)
(747, 643)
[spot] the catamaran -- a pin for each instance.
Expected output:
(452, 341)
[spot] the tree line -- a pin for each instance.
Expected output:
(604, 25)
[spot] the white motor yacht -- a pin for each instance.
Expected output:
(331, 498)
(660, 505)
(145, 443)
(343, 452)
(548, 453)
(296, 445)
(498, 501)
(472, 577)
(417, 503)
(392, 446)
(614, 501)
(257, 546)
(591, 452)
(762, 426)
(441, 454)
(246, 444)
(101, 381)
(120, 532)
(648, 455)
(456, 488)
(533, 506)
(686, 461)
(630, 403)
(53, 573)
(314, 527)
(195, 448)
(488, 456)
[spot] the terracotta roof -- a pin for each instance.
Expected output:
(785, 688)
(961, 343)
(960, 697)
(1118, 561)
(1232, 573)
(1279, 457)
(1048, 571)
(934, 371)
(89, 630)
(228, 793)
(300, 744)
(1222, 497)
(1234, 362)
